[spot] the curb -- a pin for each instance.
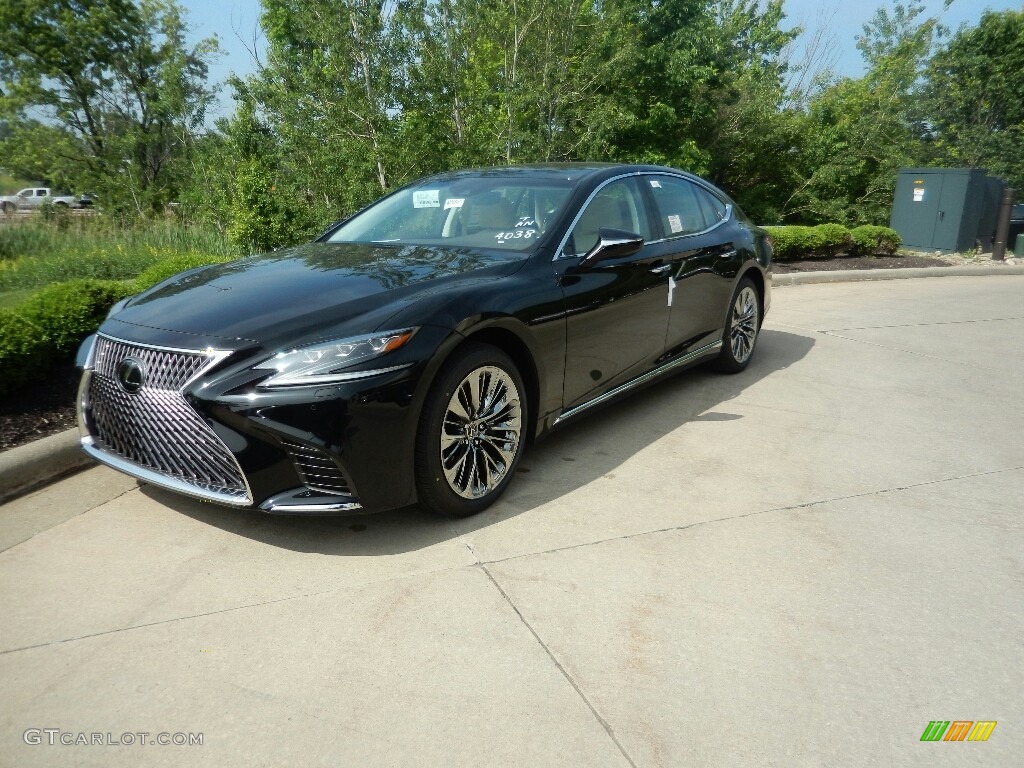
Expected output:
(858, 275)
(35, 464)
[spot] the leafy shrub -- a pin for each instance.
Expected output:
(827, 240)
(50, 325)
(869, 240)
(47, 327)
(795, 242)
(831, 239)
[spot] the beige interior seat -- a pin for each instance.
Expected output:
(489, 211)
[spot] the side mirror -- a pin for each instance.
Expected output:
(612, 244)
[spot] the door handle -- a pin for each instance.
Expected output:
(660, 270)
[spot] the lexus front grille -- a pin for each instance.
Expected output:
(154, 429)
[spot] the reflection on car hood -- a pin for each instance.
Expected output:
(308, 292)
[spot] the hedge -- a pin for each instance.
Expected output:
(47, 328)
(870, 240)
(827, 240)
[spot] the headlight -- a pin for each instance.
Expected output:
(324, 363)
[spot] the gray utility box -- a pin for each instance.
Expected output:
(946, 209)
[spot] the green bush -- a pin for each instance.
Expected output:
(797, 242)
(828, 240)
(49, 326)
(869, 240)
(831, 239)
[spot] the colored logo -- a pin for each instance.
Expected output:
(958, 730)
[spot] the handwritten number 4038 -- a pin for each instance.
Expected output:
(519, 234)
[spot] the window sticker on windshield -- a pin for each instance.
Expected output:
(674, 223)
(426, 198)
(655, 183)
(454, 202)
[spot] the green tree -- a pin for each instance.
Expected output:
(975, 97)
(115, 77)
(858, 132)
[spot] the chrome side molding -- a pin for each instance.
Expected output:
(707, 348)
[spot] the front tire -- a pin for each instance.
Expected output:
(741, 329)
(471, 432)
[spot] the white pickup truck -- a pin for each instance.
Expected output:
(32, 197)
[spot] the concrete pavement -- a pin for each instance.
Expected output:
(801, 565)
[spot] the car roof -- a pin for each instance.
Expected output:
(562, 171)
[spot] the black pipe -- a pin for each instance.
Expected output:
(1003, 224)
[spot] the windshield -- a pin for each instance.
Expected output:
(508, 214)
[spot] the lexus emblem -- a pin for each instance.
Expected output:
(131, 375)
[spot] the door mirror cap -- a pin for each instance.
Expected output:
(612, 244)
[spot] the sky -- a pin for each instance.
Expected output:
(235, 22)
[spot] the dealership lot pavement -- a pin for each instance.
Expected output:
(801, 565)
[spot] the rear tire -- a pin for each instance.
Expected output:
(742, 326)
(471, 432)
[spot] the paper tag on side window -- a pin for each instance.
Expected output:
(675, 224)
(426, 198)
(454, 202)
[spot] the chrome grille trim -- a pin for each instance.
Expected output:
(154, 434)
(317, 470)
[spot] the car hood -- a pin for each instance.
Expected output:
(311, 292)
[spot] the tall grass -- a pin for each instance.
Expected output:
(36, 252)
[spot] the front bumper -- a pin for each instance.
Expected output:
(342, 449)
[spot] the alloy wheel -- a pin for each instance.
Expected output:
(480, 432)
(743, 330)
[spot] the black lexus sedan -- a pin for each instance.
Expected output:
(410, 352)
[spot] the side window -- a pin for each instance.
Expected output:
(714, 209)
(618, 205)
(40, 193)
(679, 208)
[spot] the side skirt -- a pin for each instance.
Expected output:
(642, 379)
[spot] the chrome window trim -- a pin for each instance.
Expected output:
(579, 214)
(728, 210)
(639, 380)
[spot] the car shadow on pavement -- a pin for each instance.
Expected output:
(570, 458)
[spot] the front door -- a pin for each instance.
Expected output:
(616, 310)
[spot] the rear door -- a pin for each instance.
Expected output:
(697, 241)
